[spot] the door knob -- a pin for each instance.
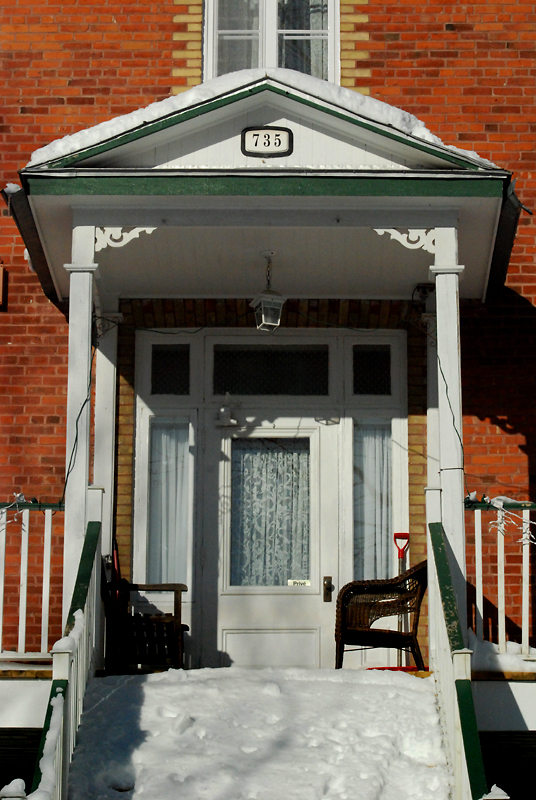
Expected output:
(328, 588)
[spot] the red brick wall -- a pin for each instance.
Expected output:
(469, 72)
(64, 67)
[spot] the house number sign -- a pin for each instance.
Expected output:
(267, 142)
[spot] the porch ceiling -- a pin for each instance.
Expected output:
(326, 247)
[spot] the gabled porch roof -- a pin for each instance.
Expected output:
(181, 211)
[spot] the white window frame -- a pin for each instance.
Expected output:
(268, 35)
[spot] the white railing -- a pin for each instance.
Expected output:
(497, 523)
(451, 665)
(26, 535)
(75, 658)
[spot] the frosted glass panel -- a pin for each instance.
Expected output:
(373, 535)
(269, 511)
(167, 546)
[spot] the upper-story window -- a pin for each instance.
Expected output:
(294, 34)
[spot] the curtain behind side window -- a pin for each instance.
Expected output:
(372, 501)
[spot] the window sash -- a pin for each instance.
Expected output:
(272, 36)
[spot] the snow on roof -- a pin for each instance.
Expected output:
(353, 102)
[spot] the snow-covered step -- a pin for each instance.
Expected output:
(261, 735)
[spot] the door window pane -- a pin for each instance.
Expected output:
(269, 511)
(167, 546)
(372, 501)
(271, 369)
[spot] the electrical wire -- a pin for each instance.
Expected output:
(74, 450)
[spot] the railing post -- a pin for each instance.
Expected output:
(3, 524)
(479, 579)
(525, 646)
(501, 600)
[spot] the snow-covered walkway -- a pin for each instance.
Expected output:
(234, 734)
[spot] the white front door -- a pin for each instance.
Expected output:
(275, 508)
(265, 476)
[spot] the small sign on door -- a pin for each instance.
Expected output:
(293, 582)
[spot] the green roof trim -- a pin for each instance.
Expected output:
(206, 107)
(269, 185)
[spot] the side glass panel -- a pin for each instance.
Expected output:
(167, 545)
(372, 501)
(238, 35)
(270, 511)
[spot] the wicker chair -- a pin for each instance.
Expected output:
(361, 603)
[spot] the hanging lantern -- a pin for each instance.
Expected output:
(268, 304)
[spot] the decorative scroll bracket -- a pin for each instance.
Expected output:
(117, 237)
(414, 239)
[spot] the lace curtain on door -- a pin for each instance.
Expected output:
(269, 511)
(372, 501)
(167, 545)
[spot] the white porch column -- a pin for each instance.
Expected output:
(105, 401)
(81, 272)
(446, 270)
(433, 488)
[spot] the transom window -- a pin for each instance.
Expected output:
(271, 369)
(293, 34)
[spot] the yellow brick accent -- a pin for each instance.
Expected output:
(356, 73)
(181, 72)
(188, 18)
(355, 36)
(353, 32)
(188, 71)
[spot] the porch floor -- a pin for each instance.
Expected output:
(268, 734)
